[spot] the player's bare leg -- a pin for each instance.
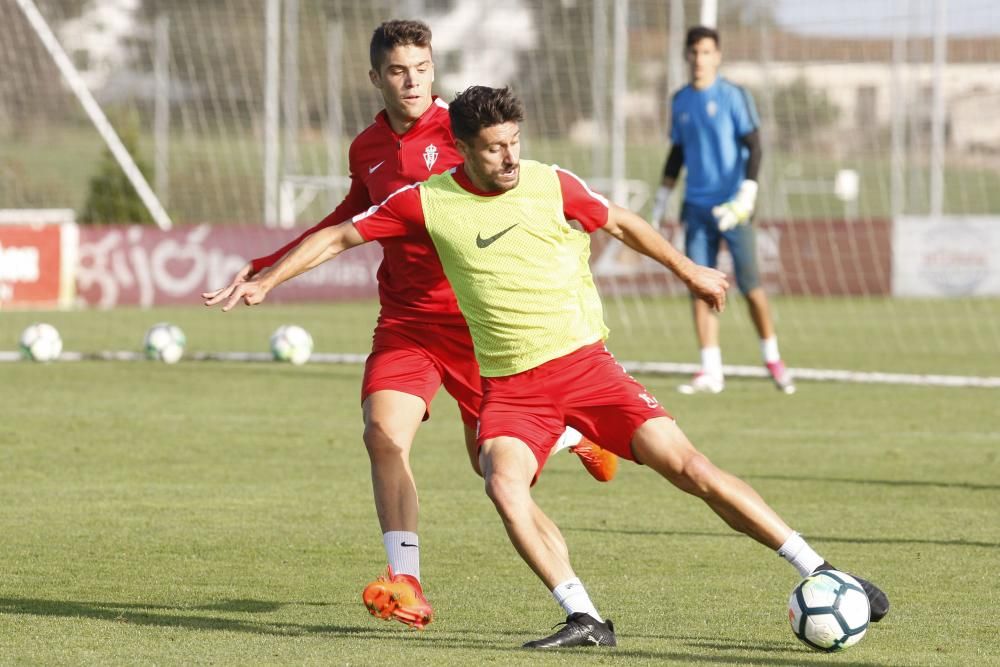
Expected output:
(508, 467)
(661, 445)
(472, 447)
(391, 422)
(760, 313)
(709, 379)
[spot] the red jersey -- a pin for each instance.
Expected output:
(411, 283)
(402, 215)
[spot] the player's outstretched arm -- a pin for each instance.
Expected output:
(706, 283)
(315, 249)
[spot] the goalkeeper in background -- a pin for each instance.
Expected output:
(714, 133)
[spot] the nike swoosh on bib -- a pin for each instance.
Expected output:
(483, 243)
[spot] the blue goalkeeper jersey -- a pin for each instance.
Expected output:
(709, 125)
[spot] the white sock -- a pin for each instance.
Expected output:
(402, 548)
(569, 438)
(800, 555)
(769, 350)
(573, 598)
(711, 361)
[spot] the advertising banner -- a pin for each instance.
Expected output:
(36, 265)
(144, 266)
(952, 256)
(815, 257)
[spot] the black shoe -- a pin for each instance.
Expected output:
(878, 601)
(580, 629)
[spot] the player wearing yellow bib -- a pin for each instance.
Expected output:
(518, 268)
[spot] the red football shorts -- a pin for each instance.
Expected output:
(418, 358)
(586, 389)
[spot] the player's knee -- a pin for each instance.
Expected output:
(506, 492)
(698, 476)
(381, 440)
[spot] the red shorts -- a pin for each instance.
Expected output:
(586, 389)
(418, 358)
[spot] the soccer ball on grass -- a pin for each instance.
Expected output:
(40, 342)
(829, 611)
(164, 342)
(290, 342)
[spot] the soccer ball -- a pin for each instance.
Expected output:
(829, 611)
(40, 342)
(164, 342)
(290, 342)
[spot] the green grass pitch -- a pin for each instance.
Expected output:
(221, 513)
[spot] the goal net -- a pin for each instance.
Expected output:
(878, 220)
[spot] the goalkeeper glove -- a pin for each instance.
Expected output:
(660, 205)
(738, 210)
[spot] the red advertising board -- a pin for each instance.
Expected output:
(30, 262)
(139, 265)
(144, 266)
(815, 257)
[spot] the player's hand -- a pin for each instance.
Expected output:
(250, 292)
(709, 285)
(738, 210)
(660, 202)
(243, 275)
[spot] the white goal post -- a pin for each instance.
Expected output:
(94, 112)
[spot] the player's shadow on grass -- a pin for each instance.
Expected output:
(813, 538)
(129, 613)
(186, 617)
(705, 650)
(970, 486)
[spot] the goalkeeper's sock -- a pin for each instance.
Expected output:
(769, 350)
(569, 438)
(711, 361)
(402, 548)
(802, 557)
(573, 598)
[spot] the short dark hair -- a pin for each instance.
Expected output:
(481, 106)
(698, 33)
(391, 34)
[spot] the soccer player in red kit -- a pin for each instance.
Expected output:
(519, 270)
(421, 340)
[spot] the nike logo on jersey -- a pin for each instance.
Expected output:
(371, 170)
(485, 243)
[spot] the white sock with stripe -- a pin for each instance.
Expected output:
(402, 549)
(802, 557)
(573, 598)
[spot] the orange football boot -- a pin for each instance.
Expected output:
(599, 462)
(398, 596)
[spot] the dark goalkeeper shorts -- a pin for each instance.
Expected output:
(701, 244)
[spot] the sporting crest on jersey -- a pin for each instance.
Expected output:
(430, 156)
(711, 108)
